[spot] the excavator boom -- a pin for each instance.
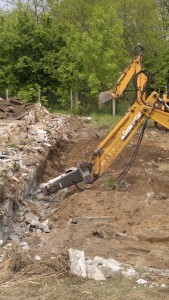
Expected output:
(133, 68)
(111, 146)
(141, 110)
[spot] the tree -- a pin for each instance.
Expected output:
(93, 51)
(28, 53)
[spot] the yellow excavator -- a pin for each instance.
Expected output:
(140, 82)
(143, 109)
(134, 67)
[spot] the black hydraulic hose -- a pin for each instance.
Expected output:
(138, 49)
(149, 79)
(129, 165)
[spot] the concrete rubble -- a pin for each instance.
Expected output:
(29, 133)
(97, 268)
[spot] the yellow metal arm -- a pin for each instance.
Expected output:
(119, 137)
(111, 146)
(134, 67)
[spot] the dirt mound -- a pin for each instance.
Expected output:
(13, 108)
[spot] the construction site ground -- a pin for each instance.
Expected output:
(128, 222)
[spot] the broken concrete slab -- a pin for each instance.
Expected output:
(77, 262)
(97, 268)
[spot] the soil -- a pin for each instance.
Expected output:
(128, 222)
(138, 232)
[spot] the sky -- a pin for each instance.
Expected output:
(3, 4)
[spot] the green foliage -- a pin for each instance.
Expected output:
(105, 120)
(109, 184)
(80, 46)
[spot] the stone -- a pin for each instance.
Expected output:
(2, 257)
(38, 231)
(29, 161)
(150, 195)
(26, 248)
(36, 224)
(46, 229)
(77, 262)
(37, 257)
(100, 268)
(22, 244)
(141, 281)
(94, 273)
(130, 272)
(162, 196)
(30, 216)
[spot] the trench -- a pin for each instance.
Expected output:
(119, 224)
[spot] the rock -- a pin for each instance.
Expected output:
(37, 257)
(30, 217)
(36, 224)
(9, 245)
(162, 196)
(77, 262)
(26, 248)
(93, 271)
(100, 268)
(87, 119)
(150, 195)
(29, 161)
(19, 219)
(141, 281)
(1, 242)
(40, 196)
(46, 229)
(46, 222)
(2, 257)
(130, 272)
(38, 231)
(45, 226)
(22, 244)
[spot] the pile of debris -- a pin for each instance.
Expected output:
(28, 136)
(13, 108)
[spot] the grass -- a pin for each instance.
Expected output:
(12, 145)
(74, 288)
(107, 120)
(109, 184)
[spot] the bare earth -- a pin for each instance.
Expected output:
(137, 233)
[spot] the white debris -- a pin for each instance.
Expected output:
(37, 257)
(22, 244)
(1, 242)
(141, 281)
(7, 246)
(93, 272)
(26, 248)
(130, 272)
(77, 262)
(1, 257)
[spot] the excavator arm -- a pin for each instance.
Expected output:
(135, 67)
(111, 146)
